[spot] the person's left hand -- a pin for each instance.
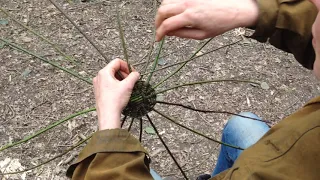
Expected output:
(112, 95)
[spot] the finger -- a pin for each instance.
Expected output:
(172, 24)
(114, 66)
(189, 33)
(167, 11)
(131, 79)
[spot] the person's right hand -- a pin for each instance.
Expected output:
(200, 19)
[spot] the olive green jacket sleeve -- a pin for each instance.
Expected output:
(287, 25)
(111, 154)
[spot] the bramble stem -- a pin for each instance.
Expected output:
(210, 111)
(79, 29)
(179, 68)
(165, 145)
(206, 82)
(186, 61)
(137, 99)
(196, 132)
(39, 35)
(140, 135)
(132, 119)
(123, 42)
(46, 129)
(75, 74)
(156, 61)
(153, 39)
(123, 121)
(55, 157)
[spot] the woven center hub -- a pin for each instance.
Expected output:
(145, 104)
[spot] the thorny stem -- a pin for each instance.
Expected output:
(156, 61)
(132, 119)
(123, 121)
(140, 135)
(38, 35)
(55, 157)
(179, 68)
(196, 132)
(75, 74)
(165, 145)
(123, 42)
(210, 111)
(46, 129)
(186, 61)
(84, 35)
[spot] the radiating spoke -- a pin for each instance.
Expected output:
(141, 130)
(55, 157)
(122, 38)
(39, 35)
(123, 121)
(75, 74)
(179, 68)
(132, 119)
(207, 82)
(79, 29)
(46, 129)
(155, 61)
(196, 132)
(211, 111)
(185, 61)
(165, 145)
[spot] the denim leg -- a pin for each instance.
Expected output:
(241, 132)
(155, 175)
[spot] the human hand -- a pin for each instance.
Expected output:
(200, 19)
(111, 94)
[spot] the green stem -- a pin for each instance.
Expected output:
(206, 82)
(186, 61)
(167, 148)
(178, 69)
(47, 61)
(123, 42)
(123, 121)
(153, 39)
(210, 111)
(196, 132)
(137, 99)
(39, 35)
(129, 128)
(55, 157)
(156, 61)
(46, 129)
(141, 129)
(78, 28)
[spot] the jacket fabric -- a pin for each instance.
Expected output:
(289, 150)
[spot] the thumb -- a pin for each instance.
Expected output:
(131, 79)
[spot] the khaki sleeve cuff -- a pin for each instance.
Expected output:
(108, 141)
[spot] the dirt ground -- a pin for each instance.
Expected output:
(34, 94)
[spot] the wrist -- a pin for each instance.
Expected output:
(109, 120)
(248, 13)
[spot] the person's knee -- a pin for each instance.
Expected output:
(240, 128)
(236, 122)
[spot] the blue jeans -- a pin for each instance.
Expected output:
(241, 132)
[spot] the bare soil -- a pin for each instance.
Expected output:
(33, 94)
